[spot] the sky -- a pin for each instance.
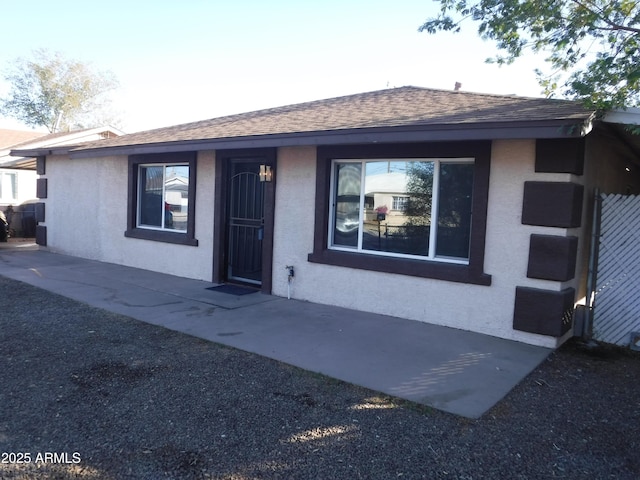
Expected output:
(188, 60)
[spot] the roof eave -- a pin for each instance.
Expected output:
(22, 163)
(429, 133)
(43, 151)
(628, 116)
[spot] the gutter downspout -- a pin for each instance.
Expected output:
(592, 276)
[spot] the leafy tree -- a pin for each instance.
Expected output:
(58, 93)
(418, 208)
(592, 45)
(420, 190)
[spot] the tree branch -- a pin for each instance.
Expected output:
(613, 26)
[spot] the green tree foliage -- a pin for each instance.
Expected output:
(420, 190)
(593, 46)
(60, 94)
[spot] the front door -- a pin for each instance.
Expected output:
(245, 222)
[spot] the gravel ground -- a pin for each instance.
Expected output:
(86, 394)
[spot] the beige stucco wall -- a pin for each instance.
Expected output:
(86, 216)
(485, 309)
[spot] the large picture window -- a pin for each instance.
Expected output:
(162, 197)
(418, 208)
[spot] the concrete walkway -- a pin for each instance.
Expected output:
(452, 370)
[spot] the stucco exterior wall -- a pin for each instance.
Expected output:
(86, 216)
(485, 309)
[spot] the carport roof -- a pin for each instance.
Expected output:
(398, 114)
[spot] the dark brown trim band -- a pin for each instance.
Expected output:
(268, 156)
(166, 236)
(448, 132)
(471, 273)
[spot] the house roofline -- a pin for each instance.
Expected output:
(628, 116)
(42, 151)
(25, 152)
(430, 133)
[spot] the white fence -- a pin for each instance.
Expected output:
(617, 294)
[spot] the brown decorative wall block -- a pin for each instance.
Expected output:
(552, 257)
(41, 188)
(41, 235)
(552, 204)
(560, 155)
(40, 217)
(41, 165)
(544, 312)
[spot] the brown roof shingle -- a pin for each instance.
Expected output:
(9, 138)
(398, 107)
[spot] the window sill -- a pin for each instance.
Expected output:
(159, 236)
(451, 272)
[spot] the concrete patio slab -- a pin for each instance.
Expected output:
(456, 371)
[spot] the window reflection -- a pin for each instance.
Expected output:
(164, 196)
(347, 205)
(454, 210)
(398, 214)
(398, 211)
(176, 197)
(151, 196)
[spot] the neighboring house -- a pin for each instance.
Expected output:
(495, 204)
(18, 176)
(16, 184)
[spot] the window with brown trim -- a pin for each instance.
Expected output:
(434, 223)
(161, 203)
(352, 230)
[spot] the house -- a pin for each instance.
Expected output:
(18, 176)
(493, 201)
(17, 185)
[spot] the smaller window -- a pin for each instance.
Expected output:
(162, 198)
(8, 187)
(400, 203)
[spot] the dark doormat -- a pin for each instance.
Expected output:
(233, 289)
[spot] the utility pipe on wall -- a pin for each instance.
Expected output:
(290, 276)
(592, 275)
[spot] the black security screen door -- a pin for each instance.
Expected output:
(245, 226)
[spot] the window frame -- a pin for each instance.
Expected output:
(469, 272)
(396, 200)
(432, 255)
(13, 183)
(165, 167)
(159, 234)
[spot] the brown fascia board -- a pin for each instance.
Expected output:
(43, 151)
(458, 132)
